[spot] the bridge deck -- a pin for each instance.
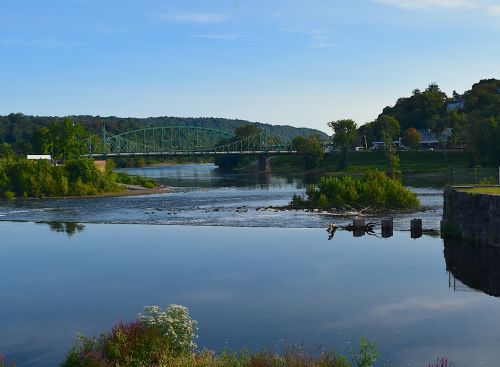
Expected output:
(192, 153)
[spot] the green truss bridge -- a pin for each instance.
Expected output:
(184, 141)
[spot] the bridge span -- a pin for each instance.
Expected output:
(174, 141)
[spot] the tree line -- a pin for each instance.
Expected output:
(20, 131)
(473, 118)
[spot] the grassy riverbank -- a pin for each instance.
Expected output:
(411, 162)
(489, 190)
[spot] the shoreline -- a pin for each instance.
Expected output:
(129, 190)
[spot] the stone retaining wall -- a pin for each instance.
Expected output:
(476, 217)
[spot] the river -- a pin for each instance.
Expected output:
(252, 278)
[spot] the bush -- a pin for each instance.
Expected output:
(27, 178)
(374, 189)
(156, 338)
(175, 325)
(9, 195)
(128, 344)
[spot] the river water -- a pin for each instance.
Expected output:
(252, 278)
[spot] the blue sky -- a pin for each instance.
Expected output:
(302, 63)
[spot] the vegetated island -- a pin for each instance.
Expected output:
(23, 178)
(372, 193)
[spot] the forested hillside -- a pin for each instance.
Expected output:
(473, 117)
(19, 130)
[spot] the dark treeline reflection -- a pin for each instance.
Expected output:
(475, 266)
(70, 228)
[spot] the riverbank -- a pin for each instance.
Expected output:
(429, 163)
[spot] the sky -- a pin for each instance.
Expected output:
(301, 63)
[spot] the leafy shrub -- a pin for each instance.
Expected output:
(156, 338)
(374, 189)
(9, 195)
(127, 179)
(28, 178)
(175, 325)
(4, 362)
(297, 202)
(128, 344)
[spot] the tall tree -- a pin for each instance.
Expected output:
(62, 139)
(387, 127)
(411, 138)
(344, 137)
(309, 149)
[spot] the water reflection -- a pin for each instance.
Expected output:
(475, 266)
(70, 228)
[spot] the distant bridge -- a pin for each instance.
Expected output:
(184, 141)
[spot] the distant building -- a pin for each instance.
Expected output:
(427, 140)
(38, 157)
(379, 145)
(430, 140)
(456, 104)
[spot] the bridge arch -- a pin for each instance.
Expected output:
(183, 140)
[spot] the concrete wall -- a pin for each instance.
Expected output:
(476, 217)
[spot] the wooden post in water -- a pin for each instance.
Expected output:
(358, 227)
(387, 227)
(358, 223)
(416, 228)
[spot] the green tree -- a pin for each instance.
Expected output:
(344, 137)
(309, 149)
(459, 125)
(411, 138)
(245, 131)
(230, 162)
(418, 110)
(63, 139)
(387, 128)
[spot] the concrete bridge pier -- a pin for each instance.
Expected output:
(264, 164)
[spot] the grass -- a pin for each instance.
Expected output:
(490, 190)
(361, 162)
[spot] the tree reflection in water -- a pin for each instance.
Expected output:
(70, 228)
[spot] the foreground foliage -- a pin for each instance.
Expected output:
(374, 190)
(166, 338)
(28, 178)
(157, 338)
(161, 338)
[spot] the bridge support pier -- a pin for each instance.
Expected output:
(264, 164)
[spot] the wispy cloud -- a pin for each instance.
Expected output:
(407, 310)
(494, 10)
(189, 17)
(431, 4)
(485, 7)
(424, 306)
(220, 37)
(39, 43)
(318, 38)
